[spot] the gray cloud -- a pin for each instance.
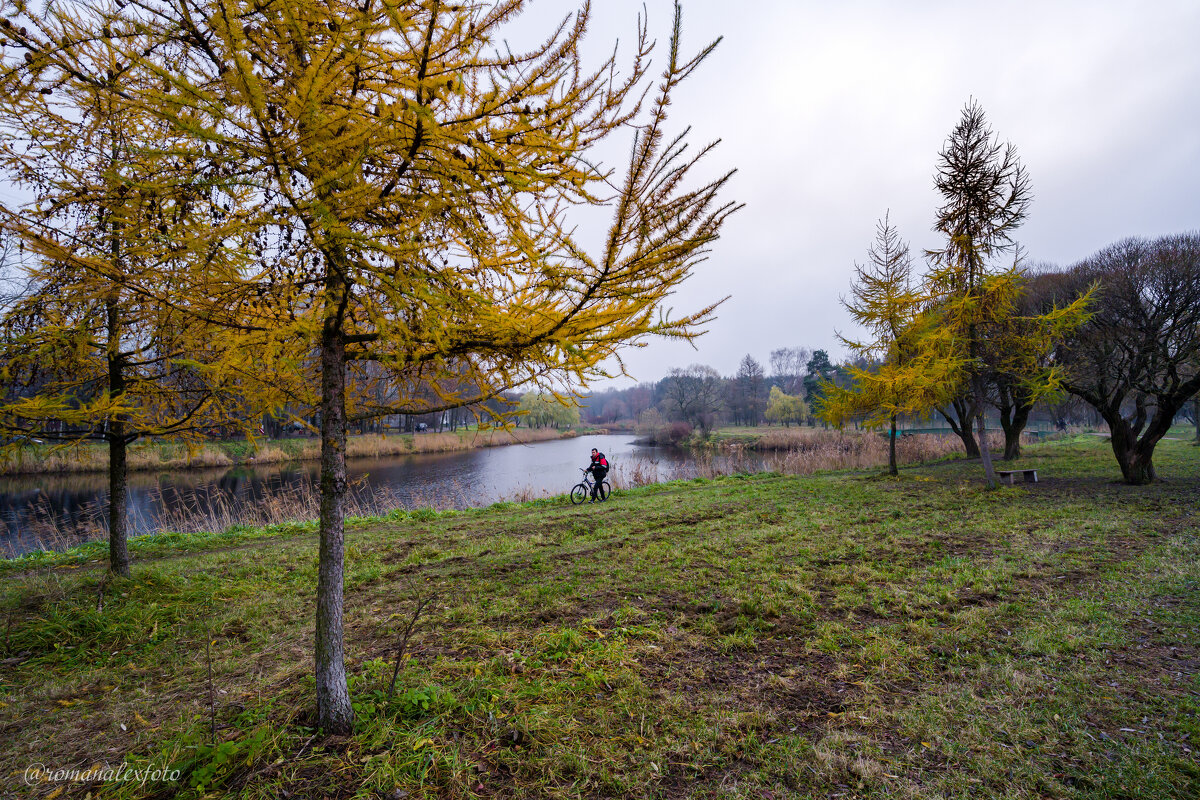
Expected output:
(834, 113)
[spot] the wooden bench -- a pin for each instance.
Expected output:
(1007, 475)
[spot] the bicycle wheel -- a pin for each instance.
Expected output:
(579, 493)
(605, 490)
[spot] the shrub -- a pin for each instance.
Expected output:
(674, 433)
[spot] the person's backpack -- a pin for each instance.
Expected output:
(602, 461)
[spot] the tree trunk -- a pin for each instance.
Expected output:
(1196, 416)
(985, 452)
(962, 426)
(1137, 467)
(892, 467)
(1014, 410)
(118, 546)
(1014, 425)
(118, 484)
(1136, 458)
(1133, 444)
(334, 712)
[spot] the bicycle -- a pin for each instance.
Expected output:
(583, 490)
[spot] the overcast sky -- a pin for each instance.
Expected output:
(834, 113)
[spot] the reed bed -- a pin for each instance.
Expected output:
(807, 452)
(213, 511)
(377, 446)
(812, 439)
(297, 501)
(832, 451)
(48, 528)
(141, 457)
(44, 459)
(152, 456)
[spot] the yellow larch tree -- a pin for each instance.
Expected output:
(962, 329)
(972, 294)
(103, 204)
(912, 365)
(403, 182)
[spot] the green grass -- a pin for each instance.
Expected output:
(749, 435)
(1186, 432)
(763, 636)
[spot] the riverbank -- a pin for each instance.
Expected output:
(747, 636)
(824, 448)
(916, 447)
(162, 456)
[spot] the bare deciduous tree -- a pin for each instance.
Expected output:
(787, 367)
(1137, 361)
(692, 395)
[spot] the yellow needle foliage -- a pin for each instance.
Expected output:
(404, 184)
(391, 188)
(103, 202)
(912, 357)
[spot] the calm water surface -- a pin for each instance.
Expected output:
(56, 511)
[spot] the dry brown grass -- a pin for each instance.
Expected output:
(269, 454)
(796, 452)
(94, 458)
(789, 438)
(637, 472)
(48, 528)
(802, 451)
(830, 450)
(376, 446)
(300, 502)
(175, 456)
(83, 459)
(190, 513)
(149, 456)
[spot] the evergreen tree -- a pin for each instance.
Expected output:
(908, 376)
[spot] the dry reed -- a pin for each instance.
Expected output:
(203, 512)
(796, 452)
(150, 456)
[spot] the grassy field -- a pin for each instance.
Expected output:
(164, 455)
(748, 435)
(838, 635)
(1185, 432)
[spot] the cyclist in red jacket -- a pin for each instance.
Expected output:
(598, 468)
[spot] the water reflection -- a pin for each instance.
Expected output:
(55, 511)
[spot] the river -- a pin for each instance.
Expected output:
(56, 511)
